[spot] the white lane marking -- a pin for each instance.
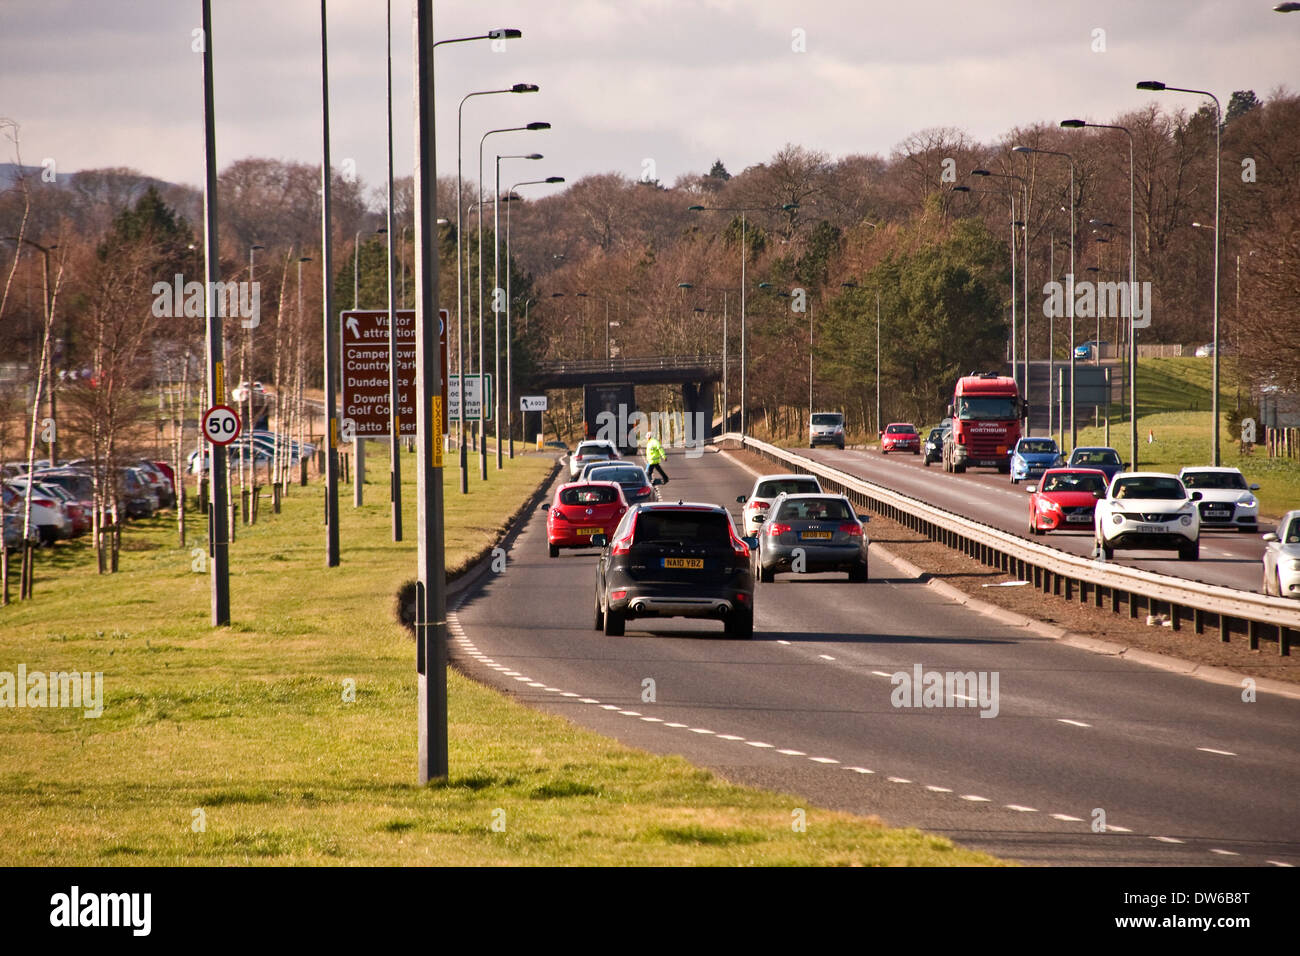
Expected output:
(934, 789)
(730, 737)
(523, 680)
(488, 660)
(787, 643)
(823, 760)
(826, 657)
(757, 743)
(1019, 809)
(653, 720)
(588, 700)
(553, 690)
(1072, 723)
(1067, 818)
(674, 724)
(609, 707)
(511, 673)
(630, 713)
(1225, 853)
(854, 769)
(793, 753)
(974, 799)
(568, 693)
(882, 674)
(1167, 839)
(533, 683)
(1111, 826)
(963, 697)
(1221, 753)
(700, 730)
(898, 780)
(1280, 863)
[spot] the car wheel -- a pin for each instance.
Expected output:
(1190, 552)
(927, 461)
(599, 624)
(840, 446)
(1033, 527)
(766, 575)
(740, 625)
(958, 469)
(1004, 469)
(614, 623)
(884, 450)
(1015, 480)
(555, 550)
(860, 574)
(1107, 551)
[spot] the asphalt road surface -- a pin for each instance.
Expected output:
(1186, 772)
(1228, 558)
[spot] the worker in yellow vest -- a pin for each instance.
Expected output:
(654, 456)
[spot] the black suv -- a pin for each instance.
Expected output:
(675, 559)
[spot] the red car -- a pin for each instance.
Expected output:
(582, 509)
(1065, 498)
(900, 436)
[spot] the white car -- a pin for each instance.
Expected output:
(49, 516)
(588, 451)
(766, 488)
(1226, 499)
(1282, 558)
(826, 428)
(1148, 511)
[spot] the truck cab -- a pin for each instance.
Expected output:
(986, 412)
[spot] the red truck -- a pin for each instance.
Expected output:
(986, 411)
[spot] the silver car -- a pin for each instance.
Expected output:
(812, 533)
(1282, 557)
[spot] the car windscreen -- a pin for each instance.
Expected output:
(699, 527)
(1292, 534)
(815, 509)
(900, 430)
(990, 408)
(788, 486)
(588, 495)
(1074, 482)
(594, 448)
(1230, 480)
(826, 419)
(1039, 446)
(624, 476)
(1164, 488)
(1094, 457)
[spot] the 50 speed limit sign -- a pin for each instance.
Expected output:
(221, 424)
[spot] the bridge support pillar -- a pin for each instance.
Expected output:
(697, 403)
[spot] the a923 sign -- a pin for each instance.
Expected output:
(221, 424)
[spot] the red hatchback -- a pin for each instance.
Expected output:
(900, 436)
(1065, 498)
(582, 509)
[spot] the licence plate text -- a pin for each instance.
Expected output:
(693, 563)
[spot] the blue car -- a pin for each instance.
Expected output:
(1103, 459)
(1032, 456)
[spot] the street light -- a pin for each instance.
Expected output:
(460, 266)
(726, 408)
(1157, 86)
(1014, 376)
(1074, 428)
(509, 337)
(743, 257)
(1023, 225)
(854, 285)
(482, 403)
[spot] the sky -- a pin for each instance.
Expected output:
(647, 88)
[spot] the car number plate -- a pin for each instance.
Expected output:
(1149, 529)
(696, 564)
(590, 530)
(1078, 519)
(815, 535)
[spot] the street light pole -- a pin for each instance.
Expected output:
(1156, 85)
(394, 416)
(331, 344)
(498, 307)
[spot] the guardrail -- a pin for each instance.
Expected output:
(642, 364)
(1057, 572)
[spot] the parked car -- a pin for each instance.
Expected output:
(1065, 498)
(1033, 456)
(78, 484)
(13, 530)
(631, 477)
(675, 559)
(900, 436)
(812, 533)
(932, 450)
(49, 516)
(1103, 459)
(1148, 511)
(591, 451)
(157, 481)
(138, 499)
(1205, 351)
(826, 428)
(765, 490)
(580, 510)
(1282, 557)
(1226, 500)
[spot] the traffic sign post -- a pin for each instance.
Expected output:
(366, 394)
(473, 398)
(221, 424)
(532, 403)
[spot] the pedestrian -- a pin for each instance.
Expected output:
(654, 456)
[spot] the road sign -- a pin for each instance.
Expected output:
(532, 403)
(364, 335)
(221, 424)
(471, 397)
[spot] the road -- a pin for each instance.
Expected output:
(1228, 558)
(1185, 771)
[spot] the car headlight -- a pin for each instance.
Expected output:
(1186, 520)
(1117, 518)
(1247, 499)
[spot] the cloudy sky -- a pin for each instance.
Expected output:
(626, 83)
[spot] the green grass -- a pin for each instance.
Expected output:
(1174, 404)
(246, 729)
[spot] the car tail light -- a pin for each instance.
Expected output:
(776, 528)
(644, 490)
(617, 595)
(852, 528)
(757, 506)
(624, 544)
(742, 597)
(43, 502)
(739, 547)
(557, 513)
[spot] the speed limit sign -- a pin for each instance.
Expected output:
(221, 424)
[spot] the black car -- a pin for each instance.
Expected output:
(674, 559)
(811, 533)
(631, 477)
(933, 447)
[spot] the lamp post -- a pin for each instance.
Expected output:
(482, 404)
(509, 337)
(744, 395)
(460, 266)
(967, 189)
(1023, 225)
(726, 409)
(248, 363)
(1074, 427)
(1157, 86)
(1132, 286)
